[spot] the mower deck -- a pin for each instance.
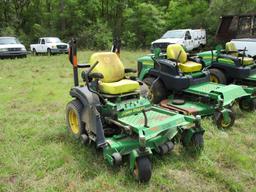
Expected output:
(188, 107)
(229, 93)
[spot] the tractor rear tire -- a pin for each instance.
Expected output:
(156, 92)
(73, 118)
(142, 169)
(217, 76)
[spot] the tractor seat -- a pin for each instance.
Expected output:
(190, 67)
(231, 47)
(247, 60)
(112, 69)
(175, 51)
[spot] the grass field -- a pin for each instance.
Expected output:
(37, 154)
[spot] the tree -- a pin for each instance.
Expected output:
(145, 22)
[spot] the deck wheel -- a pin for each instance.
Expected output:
(142, 169)
(117, 158)
(197, 142)
(223, 123)
(247, 104)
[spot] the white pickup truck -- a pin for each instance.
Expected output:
(189, 38)
(49, 45)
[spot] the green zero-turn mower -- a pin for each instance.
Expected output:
(182, 83)
(233, 66)
(110, 112)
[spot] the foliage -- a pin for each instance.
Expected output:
(97, 36)
(145, 23)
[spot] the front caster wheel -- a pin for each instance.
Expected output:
(142, 169)
(224, 122)
(247, 104)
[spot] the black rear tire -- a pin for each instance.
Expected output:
(156, 92)
(217, 76)
(73, 118)
(143, 169)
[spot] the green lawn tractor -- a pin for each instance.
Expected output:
(233, 66)
(182, 83)
(110, 112)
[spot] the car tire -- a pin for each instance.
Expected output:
(34, 52)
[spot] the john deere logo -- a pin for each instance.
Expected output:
(128, 112)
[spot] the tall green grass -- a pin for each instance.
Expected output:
(37, 154)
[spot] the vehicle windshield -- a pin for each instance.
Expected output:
(53, 40)
(9, 40)
(173, 34)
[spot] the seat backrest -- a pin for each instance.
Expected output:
(109, 65)
(230, 46)
(173, 52)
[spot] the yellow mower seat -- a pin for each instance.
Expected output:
(119, 87)
(190, 67)
(230, 46)
(247, 60)
(176, 50)
(112, 69)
